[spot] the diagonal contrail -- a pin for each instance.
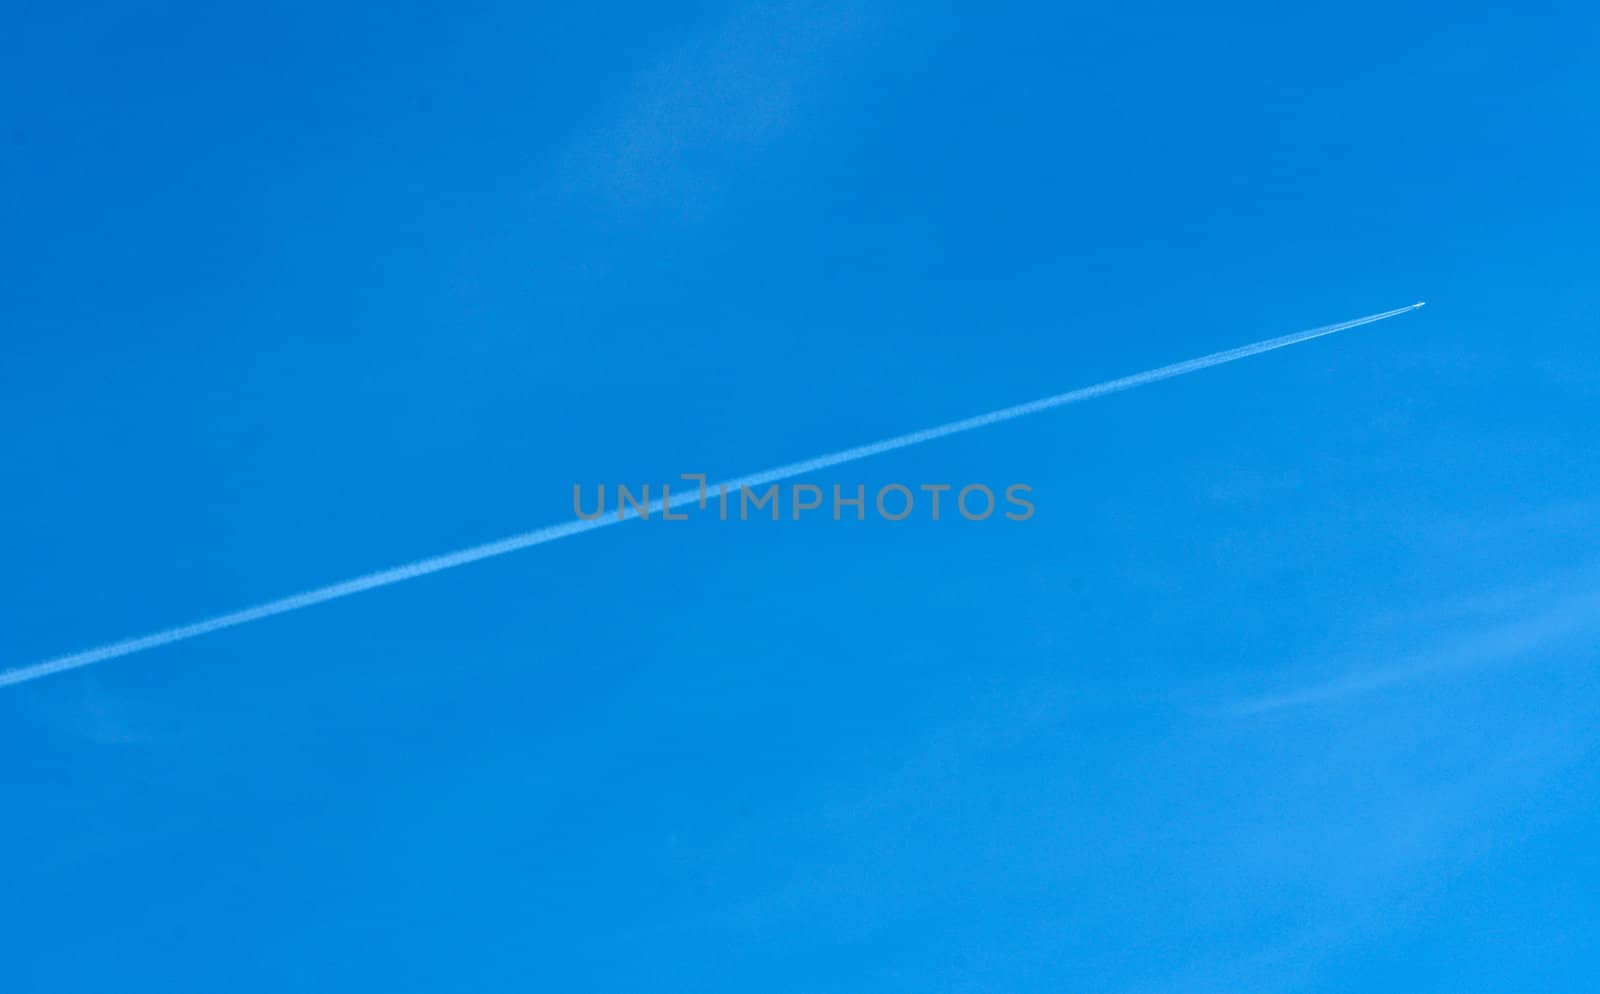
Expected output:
(551, 533)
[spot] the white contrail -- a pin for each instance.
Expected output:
(550, 533)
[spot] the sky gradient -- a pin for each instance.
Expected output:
(1287, 685)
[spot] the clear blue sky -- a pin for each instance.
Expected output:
(1288, 685)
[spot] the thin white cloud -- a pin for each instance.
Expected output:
(1510, 641)
(692, 115)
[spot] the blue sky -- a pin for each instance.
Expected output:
(1288, 685)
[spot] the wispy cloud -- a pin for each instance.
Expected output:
(693, 114)
(1507, 641)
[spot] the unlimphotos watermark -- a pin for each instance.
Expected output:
(892, 502)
